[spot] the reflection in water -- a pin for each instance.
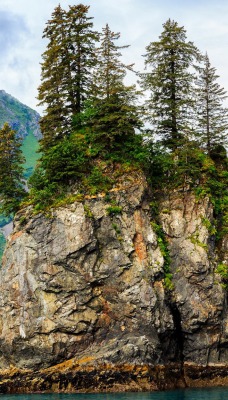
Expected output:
(187, 394)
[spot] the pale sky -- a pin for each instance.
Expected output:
(139, 21)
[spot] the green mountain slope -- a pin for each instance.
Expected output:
(26, 122)
(21, 117)
(30, 147)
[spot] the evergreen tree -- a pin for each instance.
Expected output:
(66, 70)
(110, 71)
(82, 51)
(11, 171)
(114, 115)
(51, 93)
(170, 82)
(212, 116)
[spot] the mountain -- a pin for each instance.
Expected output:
(25, 121)
(22, 118)
(85, 304)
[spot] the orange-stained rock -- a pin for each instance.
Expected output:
(85, 305)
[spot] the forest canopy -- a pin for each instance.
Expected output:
(95, 125)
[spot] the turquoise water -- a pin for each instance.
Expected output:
(187, 394)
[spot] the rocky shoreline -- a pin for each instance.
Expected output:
(75, 376)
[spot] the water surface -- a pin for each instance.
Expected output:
(185, 394)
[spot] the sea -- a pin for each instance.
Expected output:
(182, 394)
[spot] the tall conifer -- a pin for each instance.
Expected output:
(11, 170)
(170, 82)
(66, 70)
(50, 92)
(212, 115)
(114, 113)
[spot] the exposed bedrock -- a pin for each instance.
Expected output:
(82, 294)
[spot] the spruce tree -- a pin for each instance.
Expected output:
(114, 115)
(110, 72)
(66, 70)
(212, 115)
(50, 92)
(11, 171)
(170, 106)
(82, 39)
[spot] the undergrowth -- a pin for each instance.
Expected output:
(163, 245)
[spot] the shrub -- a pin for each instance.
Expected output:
(114, 210)
(222, 270)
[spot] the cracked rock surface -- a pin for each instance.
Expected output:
(86, 286)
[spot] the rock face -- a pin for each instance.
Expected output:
(85, 306)
(198, 299)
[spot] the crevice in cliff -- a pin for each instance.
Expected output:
(174, 347)
(178, 332)
(221, 345)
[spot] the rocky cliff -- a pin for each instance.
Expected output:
(84, 302)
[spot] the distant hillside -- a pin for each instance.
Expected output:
(22, 118)
(26, 122)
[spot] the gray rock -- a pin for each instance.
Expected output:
(89, 285)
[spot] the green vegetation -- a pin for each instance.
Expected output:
(212, 116)
(88, 212)
(114, 210)
(116, 228)
(170, 82)
(113, 115)
(92, 127)
(163, 245)
(90, 118)
(11, 171)
(2, 244)
(209, 225)
(20, 117)
(222, 270)
(97, 181)
(66, 71)
(25, 122)
(93, 137)
(30, 147)
(195, 240)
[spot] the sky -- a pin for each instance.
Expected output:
(139, 21)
